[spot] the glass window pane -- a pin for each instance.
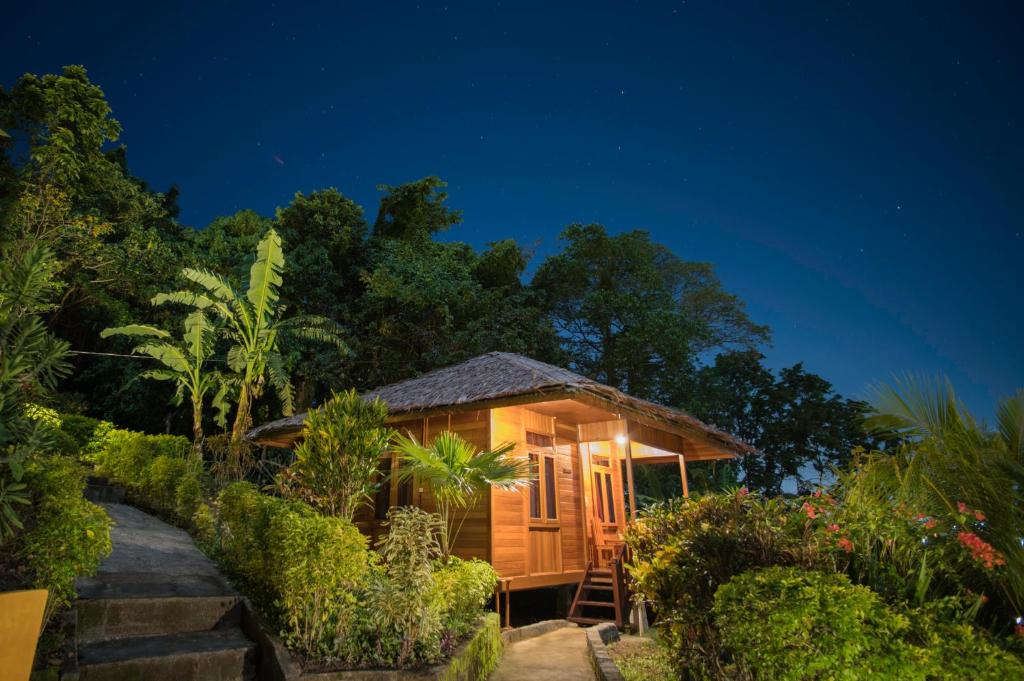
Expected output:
(550, 498)
(534, 488)
(599, 497)
(382, 499)
(404, 496)
(611, 497)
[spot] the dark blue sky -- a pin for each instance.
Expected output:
(855, 172)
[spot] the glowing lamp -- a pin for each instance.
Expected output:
(620, 439)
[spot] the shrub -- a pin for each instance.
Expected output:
(399, 602)
(789, 623)
(794, 624)
(337, 461)
(685, 550)
(125, 454)
(320, 564)
(158, 481)
(204, 524)
(463, 587)
(68, 536)
(82, 429)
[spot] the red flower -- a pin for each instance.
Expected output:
(817, 493)
(743, 491)
(979, 516)
(930, 523)
(920, 516)
(811, 512)
(833, 528)
(981, 550)
(961, 506)
(845, 544)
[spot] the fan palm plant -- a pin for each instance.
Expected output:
(255, 324)
(458, 475)
(942, 457)
(183, 363)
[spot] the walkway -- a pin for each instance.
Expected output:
(158, 609)
(560, 655)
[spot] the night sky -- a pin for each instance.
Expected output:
(855, 172)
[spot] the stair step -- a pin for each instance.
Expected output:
(598, 604)
(115, 618)
(587, 620)
(599, 587)
(218, 655)
(104, 494)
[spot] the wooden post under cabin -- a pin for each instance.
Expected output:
(682, 473)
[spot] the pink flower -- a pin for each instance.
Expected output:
(743, 491)
(833, 528)
(930, 523)
(981, 550)
(961, 506)
(845, 544)
(810, 510)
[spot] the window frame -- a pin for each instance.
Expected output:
(544, 453)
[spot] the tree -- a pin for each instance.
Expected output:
(457, 475)
(794, 419)
(414, 211)
(31, 362)
(633, 315)
(337, 461)
(183, 360)
(255, 325)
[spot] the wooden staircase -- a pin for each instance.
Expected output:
(602, 594)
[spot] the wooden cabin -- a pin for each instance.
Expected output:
(582, 438)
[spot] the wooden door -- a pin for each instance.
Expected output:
(607, 511)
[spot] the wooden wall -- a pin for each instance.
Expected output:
(521, 547)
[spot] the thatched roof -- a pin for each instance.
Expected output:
(503, 375)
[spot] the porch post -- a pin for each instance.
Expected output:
(629, 474)
(682, 473)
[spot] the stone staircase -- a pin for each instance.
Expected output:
(157, 609)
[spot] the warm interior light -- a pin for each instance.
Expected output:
(620, 439)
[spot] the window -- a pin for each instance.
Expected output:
(604, 497)
(543, 478)
(382, 499)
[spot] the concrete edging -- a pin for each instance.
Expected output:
(533, 630)
(598, 636)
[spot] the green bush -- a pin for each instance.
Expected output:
(125, 454)
(685, 550)
(481, 656)
(463, 587)
(68, 536)
(794, 624)
(320, 564)
(82, 429)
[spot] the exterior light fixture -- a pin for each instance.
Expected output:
(620, 439)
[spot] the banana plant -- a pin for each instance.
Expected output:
(255, 325)
(183, 363)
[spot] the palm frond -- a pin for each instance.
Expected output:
(134, 330)
(265, 277)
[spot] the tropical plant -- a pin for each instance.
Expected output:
(458, 474)
(255, 325)
(183, 363)
(337, 461)
(943, 461)
(31, 362)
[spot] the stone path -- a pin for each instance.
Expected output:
(560, 655)
(158, 609)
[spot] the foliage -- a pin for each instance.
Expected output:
(31, 362)
(641, 660)
(794, 418)
(414, 211)
(336, 463)
(463, 588)
(635, 316)
(399, 602)
(68, 536)
(943, 461)
(255, 325)
(788, 623)
(457, 475)
(183, 363)
(317, 565)
(684, 551)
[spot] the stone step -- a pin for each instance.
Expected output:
(102, 493)
(218, 655)
(106, 618)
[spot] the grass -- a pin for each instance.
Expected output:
(641, 659)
